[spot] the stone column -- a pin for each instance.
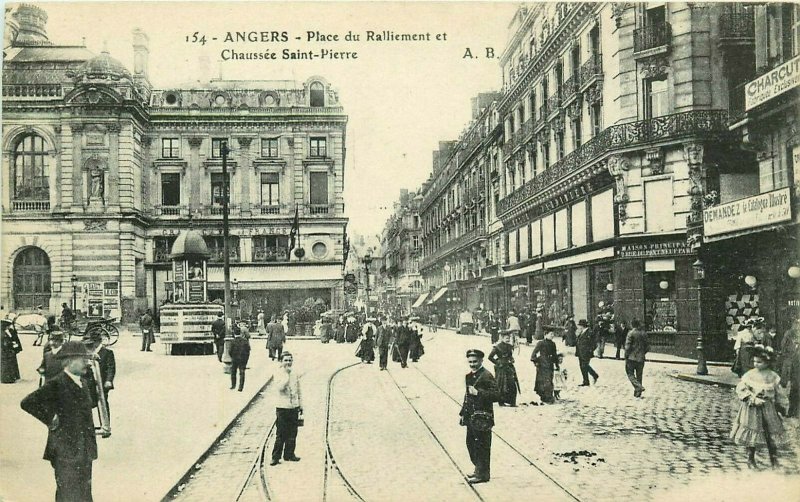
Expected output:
(112, 173)
(77, 168)
(245, 174)
(196, 175)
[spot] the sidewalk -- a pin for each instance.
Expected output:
(165, 412)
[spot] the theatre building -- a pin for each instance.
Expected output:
(102, 171)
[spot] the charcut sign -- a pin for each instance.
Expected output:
(773, 83)
(765, 209)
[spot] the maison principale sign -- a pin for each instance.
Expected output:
(773, 83)
(765, 209)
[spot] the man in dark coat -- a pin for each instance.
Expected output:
(403, 342)
(382, 342)
(277, 337)
(218, 331)
(584, 349)
(481, 393)
(636, 347)
(240, 354)
(64, 404)
(146, 325)
(106, 360)
(51, 365)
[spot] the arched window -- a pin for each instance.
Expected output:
(31, 170)
(317, 94)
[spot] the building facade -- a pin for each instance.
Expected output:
(105, 170)
(402, 247)
(624, 134)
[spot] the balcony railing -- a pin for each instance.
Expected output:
(31, 206)
(270, 254)
(668, 127)
(651, 37)
(218, 255)
(737, 25)
(271, 209)
(216, 210)
(161, 255)
(527, 129)
(543, 110)
(571, 87)
(460, 241)
(314, 209)
(553, 103)
(170, 210)
(591, 70)
(508, 146)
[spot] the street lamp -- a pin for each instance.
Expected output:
(367, 262)
(226, 264)
(236, 298)
(700, 274)
(74, 281)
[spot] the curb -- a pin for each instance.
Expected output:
(699, 379)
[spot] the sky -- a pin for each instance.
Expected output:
(402, 98)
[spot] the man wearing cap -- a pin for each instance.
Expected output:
(64, 404)
(51, 366)
(106, 361)
(477, 414)
(218, 331)
(288, 409)
(584, 349)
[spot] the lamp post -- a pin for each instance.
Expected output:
(699, 275)
(236, 299)
(226, 265)
(367, 262)
(74, 281)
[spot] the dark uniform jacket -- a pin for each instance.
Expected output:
(108, 367)
(584, 347)
(74, 438)
(382, 340)
(403, 335)
(51, 366)
(240, 350)
(484, 382)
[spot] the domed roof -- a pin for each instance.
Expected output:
(104, 67)
(189, 242)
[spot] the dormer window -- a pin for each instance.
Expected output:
(317, 96)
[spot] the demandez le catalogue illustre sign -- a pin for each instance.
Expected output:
(773, 83)
(759, 210)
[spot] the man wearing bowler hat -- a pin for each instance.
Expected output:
(477, 414)
(64, 404)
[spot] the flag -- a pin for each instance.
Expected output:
(295, 231)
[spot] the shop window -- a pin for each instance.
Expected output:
(603, 216)
(170, 189)
(548, 234)
(602, 297)
(578, 224)
(553, 297)
(562, 230)
(659, 213)
(659, 296)
(536, 238)
(218, 185)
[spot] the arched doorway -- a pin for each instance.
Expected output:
(31, 279)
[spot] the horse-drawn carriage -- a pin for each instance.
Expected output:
(40, 325)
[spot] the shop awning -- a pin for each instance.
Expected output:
(420, 300)
(438, 295)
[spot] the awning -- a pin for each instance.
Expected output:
(438, 295)
(420, 300)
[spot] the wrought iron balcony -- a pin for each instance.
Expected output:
(652, 37)
(459, 242)
(218, 255)
(553, 103)
(30, 206)
(527, 129)
(543, 110)
(737, 25)
(570, 87)
(591, 70)
(508, 146)
(270, 254)
(668, 127)
(161, 255)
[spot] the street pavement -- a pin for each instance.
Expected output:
(395, 434)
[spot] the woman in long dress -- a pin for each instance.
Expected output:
(261, 327)
(506, 374)
(745, 341)
(545, 357)
(10, 346)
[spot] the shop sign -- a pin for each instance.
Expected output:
(772, 84)
(651, 249)
(760, 210)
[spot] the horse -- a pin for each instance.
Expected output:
(30, 322)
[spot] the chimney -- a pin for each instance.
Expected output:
(141, 54)
(31, 20)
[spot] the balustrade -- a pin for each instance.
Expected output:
(32, 91)
(651, 37)
(316, 209)
(31, 205)
(666, 127)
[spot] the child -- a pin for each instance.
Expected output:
(559, 377)
(757, 423)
